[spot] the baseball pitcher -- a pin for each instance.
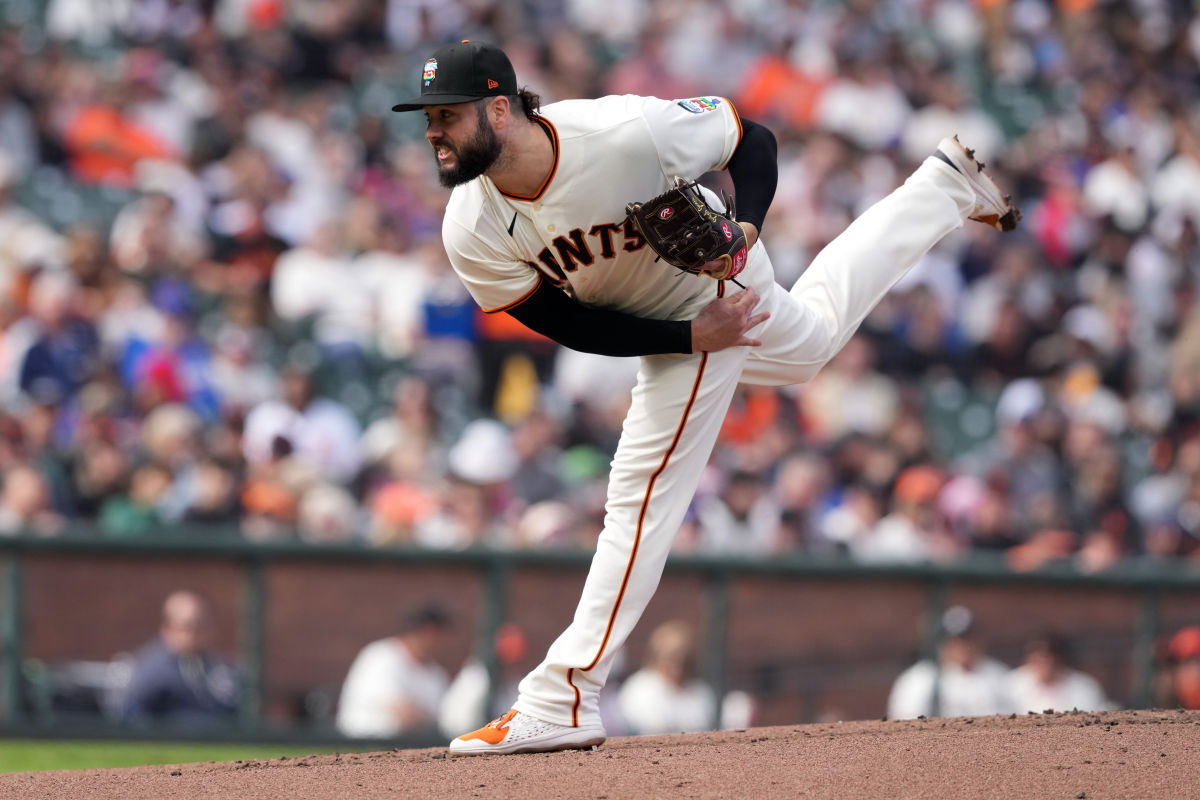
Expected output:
(583, 221)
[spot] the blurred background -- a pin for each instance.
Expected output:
(267, 473)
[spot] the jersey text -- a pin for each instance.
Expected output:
(575, 250)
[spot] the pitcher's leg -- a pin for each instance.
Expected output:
(854, 271)
(677, 411)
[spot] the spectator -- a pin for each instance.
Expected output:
(831, 408)
(315, 283)
(396, 685)
(801, 489)
(985, 517)
(1014, 284)
(742, 520)
(396, 277)
(404, 460)
(475, 502)
(1182, 661)
(665, 696)
(1028, 467)
(26, 242)
(172, 438)
(410, 424)
(864, 81)
(1114, 189)
(914, 530)
(1046, 680)
(100, 472)
(327, 514)
(553, 524)
(137, 513)
(1174, 188)
(17, 134)
(174, 367)
(322, 433)
(65, 352)
(148, 238)
(271, 496)
(179, 679)
(851, 521)
(949, 109)
(538, 477)
(25, 503)
(961, 682)
(239, 377)
(212, 496)
(105, 144)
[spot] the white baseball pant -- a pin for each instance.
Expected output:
(679, 404)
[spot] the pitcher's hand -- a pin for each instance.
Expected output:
(721, 265)
(724, 322)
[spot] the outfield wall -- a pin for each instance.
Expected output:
(808, 639)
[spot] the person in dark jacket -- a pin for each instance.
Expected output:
(178, 678)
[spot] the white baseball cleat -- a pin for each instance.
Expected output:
(520, 733)
(992, 206)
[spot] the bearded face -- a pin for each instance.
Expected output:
(470, 158)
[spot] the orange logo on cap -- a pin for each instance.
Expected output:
(492, 84)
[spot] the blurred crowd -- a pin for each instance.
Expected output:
(225, 309)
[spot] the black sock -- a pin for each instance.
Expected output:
(946, 158)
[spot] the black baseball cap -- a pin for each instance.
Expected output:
(459, 73)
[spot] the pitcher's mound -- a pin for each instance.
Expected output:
(1120, 754)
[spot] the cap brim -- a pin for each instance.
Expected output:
(421, 101)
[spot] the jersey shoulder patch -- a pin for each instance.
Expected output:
(698, 105)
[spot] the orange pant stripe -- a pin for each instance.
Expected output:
(637, 538)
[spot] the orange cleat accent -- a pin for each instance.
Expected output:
(494, 732)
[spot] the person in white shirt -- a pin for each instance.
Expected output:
(962, 682)
(742, 520)
(1046, 680)
(321, 433)
(665, 696)
(395, 685)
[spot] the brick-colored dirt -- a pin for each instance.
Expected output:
(1123, 754)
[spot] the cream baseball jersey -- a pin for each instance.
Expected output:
(573, 231)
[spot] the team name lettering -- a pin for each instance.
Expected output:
(633, 237)
(605, 234)
(547, 258)
(575, 250)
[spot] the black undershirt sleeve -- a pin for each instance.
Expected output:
(754, 170)
(596, 330)
(549, 311)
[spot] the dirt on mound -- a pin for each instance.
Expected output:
(1121, 754)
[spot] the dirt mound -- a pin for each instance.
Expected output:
(1122, 754)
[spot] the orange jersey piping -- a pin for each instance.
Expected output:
(516, 302)
(553, 133)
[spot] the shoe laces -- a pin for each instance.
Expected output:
(502, 720)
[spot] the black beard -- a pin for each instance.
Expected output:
(476, 156)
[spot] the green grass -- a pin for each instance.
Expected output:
(24, 755)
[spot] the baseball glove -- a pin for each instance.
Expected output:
(687, 233)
